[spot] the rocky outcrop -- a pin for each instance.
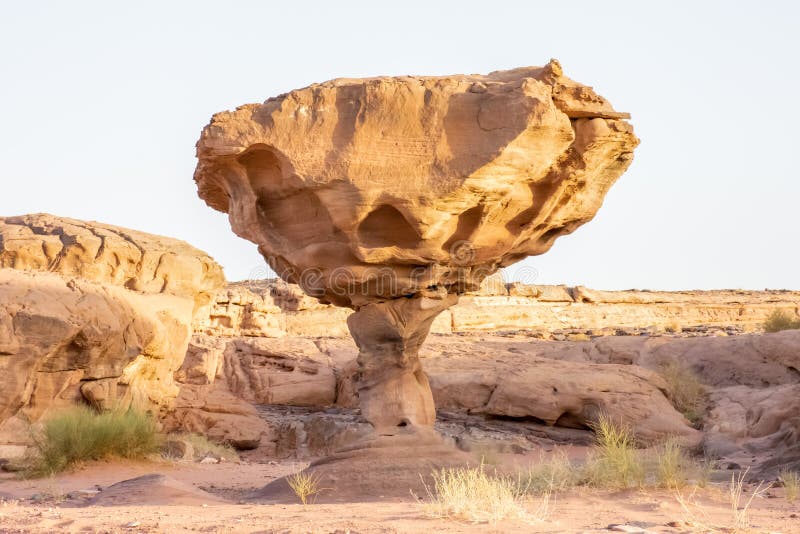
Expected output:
(273, 308)
(542, 391)
(93, 311)
(523, 380)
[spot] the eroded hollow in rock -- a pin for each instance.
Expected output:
(385, 226)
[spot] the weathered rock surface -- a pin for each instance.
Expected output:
(94, 311)
(222, 379)
(273, 308)
(381, 187)
(153, 489)
(540, 388)
(370, 192)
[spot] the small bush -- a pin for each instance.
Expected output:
(471, 494)
(80, 434)
(305, 485)
(685, 391)
(780, 320)
(791, 484)
(673, 467)
(552, 475)
(616, 463)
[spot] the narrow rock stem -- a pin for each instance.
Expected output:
(393, 389)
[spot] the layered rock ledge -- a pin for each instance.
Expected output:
(273, 308)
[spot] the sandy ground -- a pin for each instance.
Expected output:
(51, 510)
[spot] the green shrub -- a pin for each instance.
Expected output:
(780, 320)
(616, 462)
(685, 391)
(81, 434)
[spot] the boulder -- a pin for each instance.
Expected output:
(95, 312)
(368, 189)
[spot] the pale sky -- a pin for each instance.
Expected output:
(102, 103)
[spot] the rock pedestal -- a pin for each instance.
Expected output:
(428, 183)
(393, 389)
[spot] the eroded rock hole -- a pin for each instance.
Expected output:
(301, 217)
(569, 420)
(468, 222)
(385, 226)
(264, 170)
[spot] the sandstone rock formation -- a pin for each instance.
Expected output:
(368, 193)
(439, 179)
(93, 311)
(510, 393)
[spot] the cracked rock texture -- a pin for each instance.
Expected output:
(93, 311)
(369, 189)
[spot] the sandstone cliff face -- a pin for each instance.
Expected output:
(93, 311)
(377, 188)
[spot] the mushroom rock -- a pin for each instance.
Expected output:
(393, 195)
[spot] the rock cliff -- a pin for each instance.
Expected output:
(93, 311)
(273, 308)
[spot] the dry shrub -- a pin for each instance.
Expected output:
(472, 494)
(80, 434)
(552, 475)
(685, 390)
(616, 462)
(740, 508)
(780, 320)
(791, 484)
(306, 485)
(673, 467)
(698, 520)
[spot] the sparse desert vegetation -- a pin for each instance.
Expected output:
(780, 320)
(790, 480)
(79, 434)
(686, 392)
(473, 494)
(306, 485)
(616, 463)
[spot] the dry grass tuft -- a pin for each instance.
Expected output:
(553, 475)
(471, 494)
(306, 485)
(616, 463)
(694, 515)
(791, 484)
(780, 320)
(673, 466)
(740, 508)
(80, 434)
(685, 390)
